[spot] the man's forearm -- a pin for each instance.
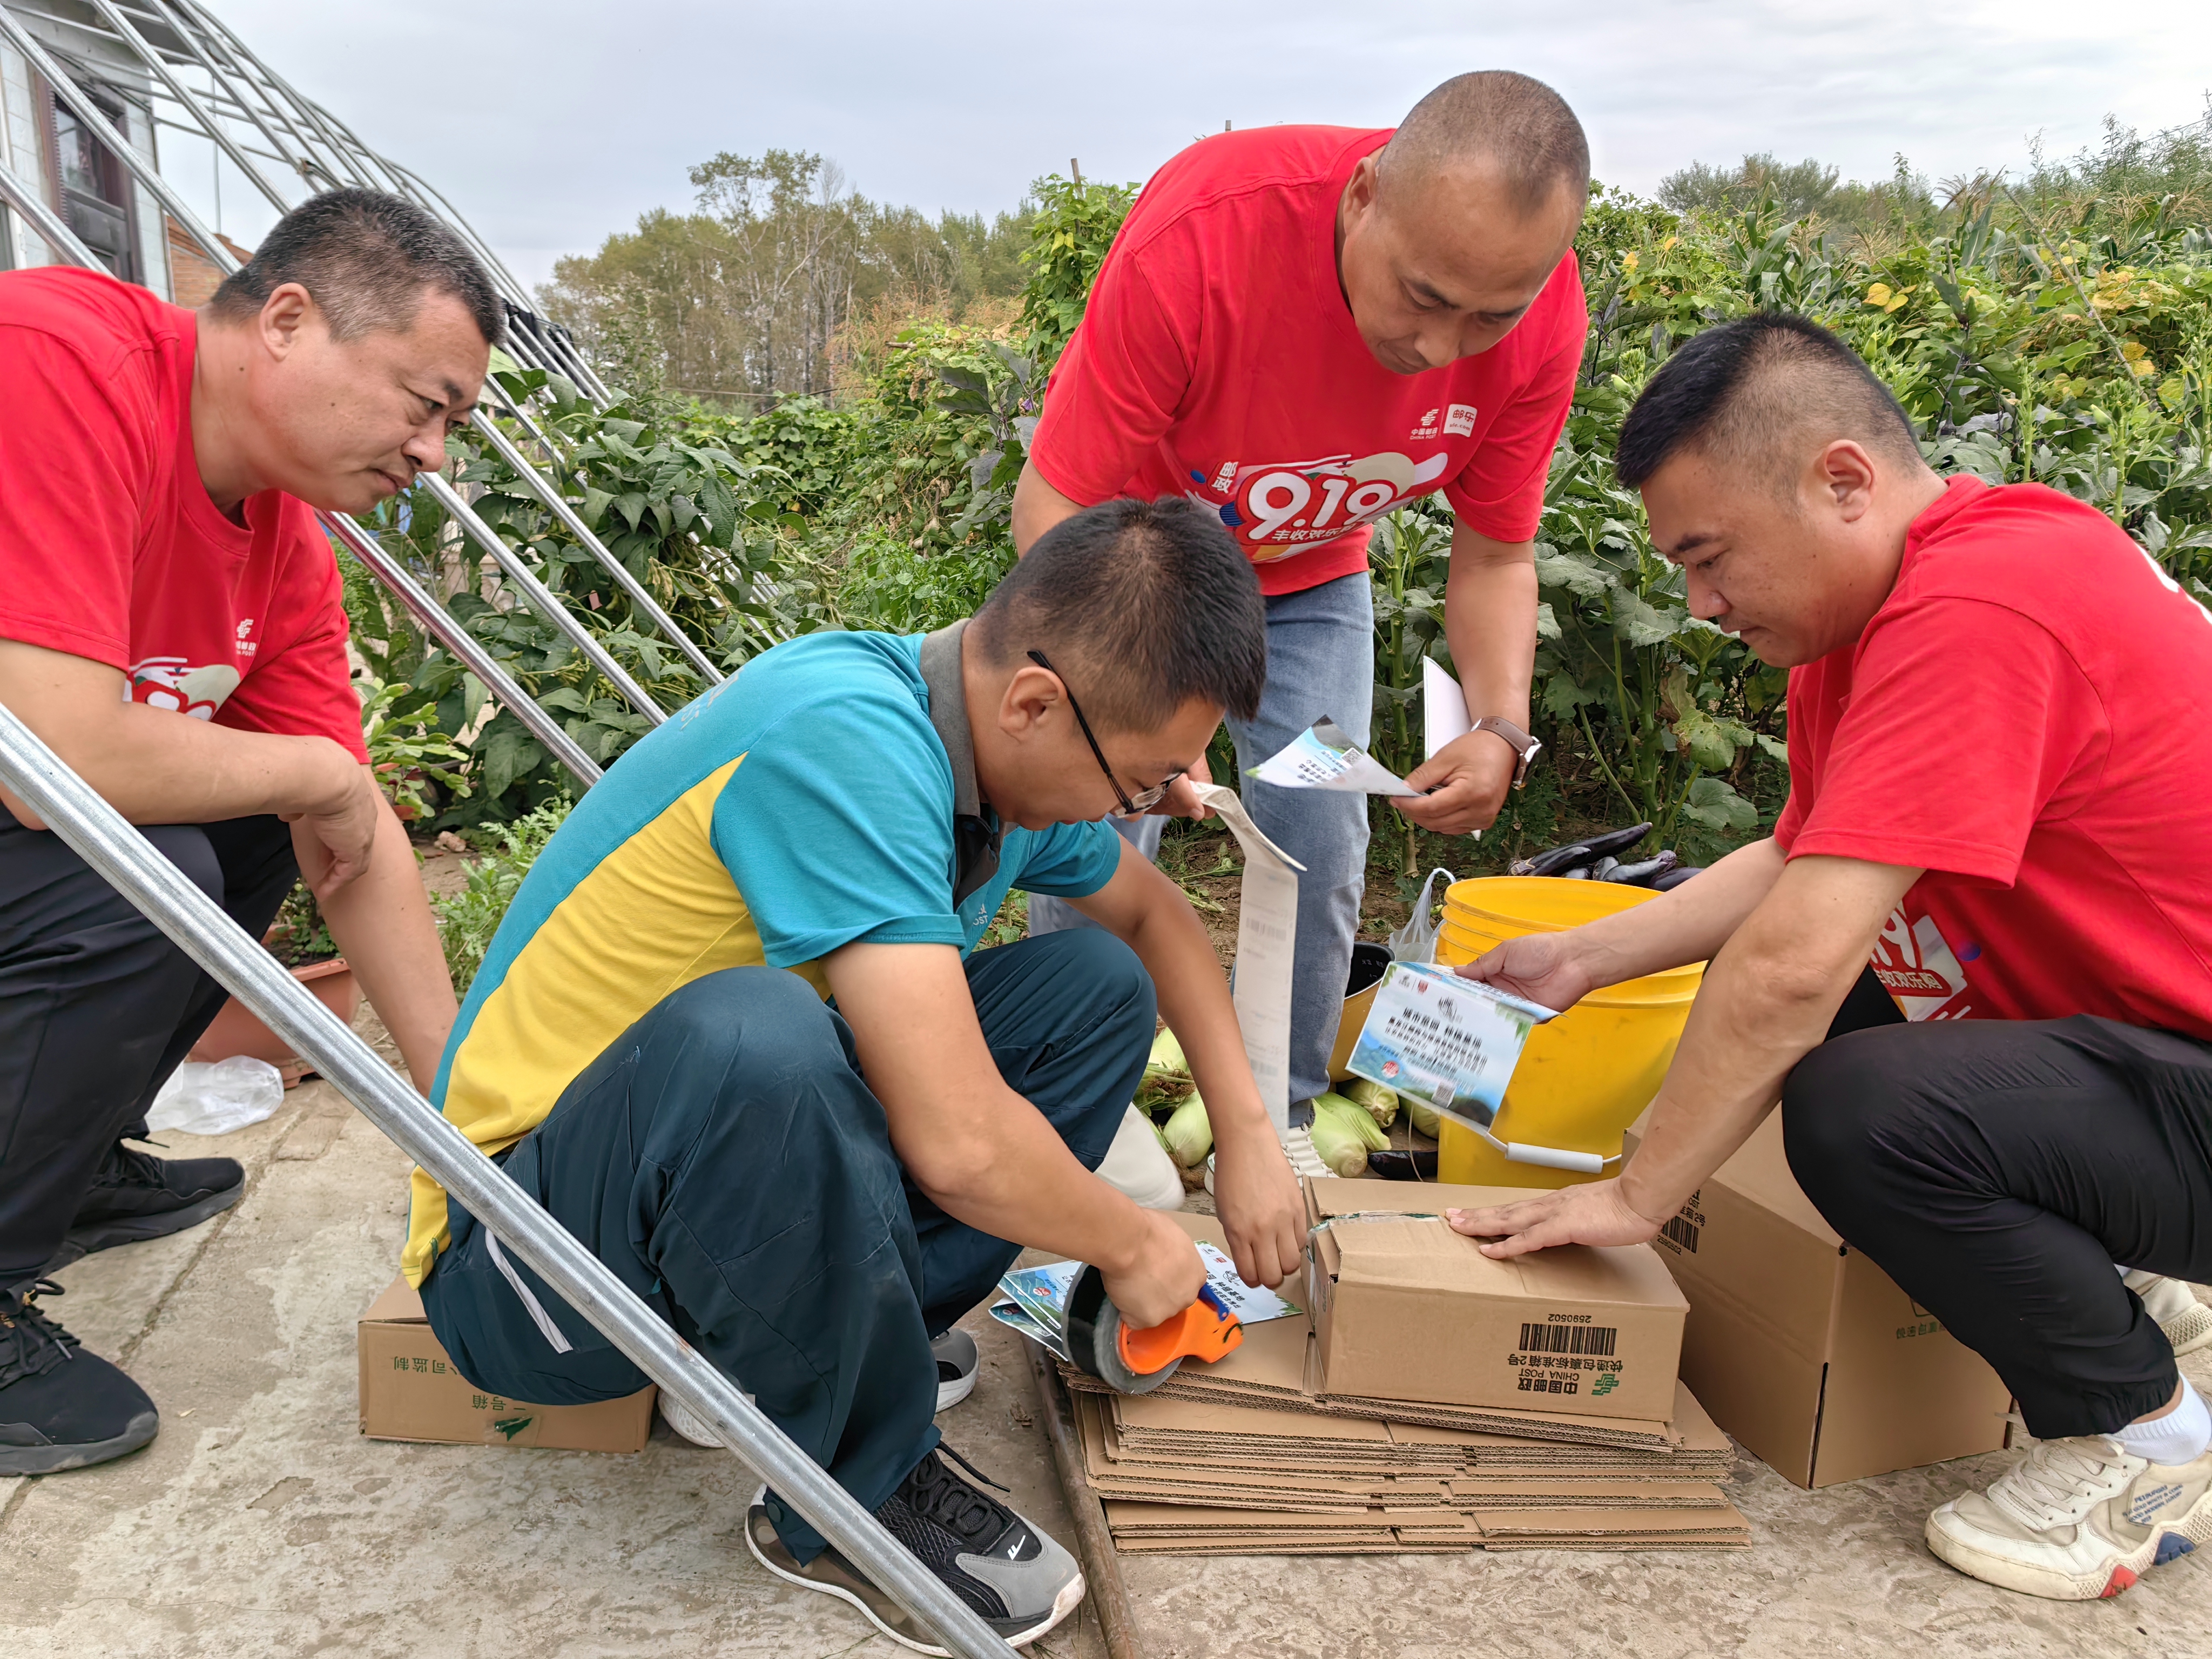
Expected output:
(155, 766)
(383, 924)
(1689, 924)
(1767, 1000)
(1489, 620)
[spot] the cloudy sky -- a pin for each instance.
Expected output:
(551, 122)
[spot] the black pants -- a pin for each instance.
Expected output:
(97, 1008)
(1997, 1169)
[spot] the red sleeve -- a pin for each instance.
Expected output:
(73, 473)
(1965, 719)
(1499, 493)
(1118, 387)
(301, 685)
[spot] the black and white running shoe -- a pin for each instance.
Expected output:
(1021, 1581)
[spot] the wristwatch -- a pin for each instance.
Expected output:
(1524, 746)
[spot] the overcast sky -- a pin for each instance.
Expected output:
(552, 123)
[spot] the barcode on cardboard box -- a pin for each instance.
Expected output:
(1597, 1339)
(1680, 1234)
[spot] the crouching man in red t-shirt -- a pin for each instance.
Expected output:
(1303, 328)
(171, 625)
(1974, 962)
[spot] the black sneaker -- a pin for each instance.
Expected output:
(1019, 1580)
(135, 1195)
(61, 1407)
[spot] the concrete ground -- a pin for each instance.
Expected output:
(260, 1522)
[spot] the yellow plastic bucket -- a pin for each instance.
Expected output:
(1585, 1076)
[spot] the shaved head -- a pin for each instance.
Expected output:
(1498, 121)
(1756, 398)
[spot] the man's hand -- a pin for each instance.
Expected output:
(1261, 1208)
(1162, 1277)
(1467, 780)
(1594, 1213)
(343, 829)
(1544, 967)
(1182, 801)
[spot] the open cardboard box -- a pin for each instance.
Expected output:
(410, 1391)
(1405, 1309)
(1803, 1349)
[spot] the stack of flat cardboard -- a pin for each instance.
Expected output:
(1400, 1415)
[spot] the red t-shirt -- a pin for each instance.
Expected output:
(110, 548)
(1217, 360)
(2020, 719)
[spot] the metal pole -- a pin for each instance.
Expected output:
(448, 632)
(46, 222)
(97, 833)
(183, 94)
(539, 597)
(547, 493)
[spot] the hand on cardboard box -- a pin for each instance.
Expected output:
(1595, 1213)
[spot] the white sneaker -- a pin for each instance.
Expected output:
(2077, 1520)
(959, 1359)
(2186, 1322)
(686, 1422)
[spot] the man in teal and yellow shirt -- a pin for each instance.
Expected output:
(731, 1033)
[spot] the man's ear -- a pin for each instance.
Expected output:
(285, 316)
(1028, 703)
(1844, 476)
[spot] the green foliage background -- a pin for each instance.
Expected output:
(2058, 331)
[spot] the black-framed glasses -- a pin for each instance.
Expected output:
(1145, 799)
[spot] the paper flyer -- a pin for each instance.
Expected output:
(1443, 709)
(1323, 757)
(1266, 935)
(1036, 1298)
(1451, 1042)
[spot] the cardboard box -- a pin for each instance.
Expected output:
(1803, 1349)
(410, 1391)
(1405, 1308)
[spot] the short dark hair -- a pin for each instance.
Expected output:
(1496, 115)
(1148, 603)
(367, 258)
(1749, 392)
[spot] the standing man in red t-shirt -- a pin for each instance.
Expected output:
(1975, 959)
(170, 626)
(1302, 328)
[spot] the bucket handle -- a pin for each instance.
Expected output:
(1550, 1157)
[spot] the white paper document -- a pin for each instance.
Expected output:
(1266, 935)
(1443, 709)
(1323, 757)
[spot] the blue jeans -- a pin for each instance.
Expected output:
(1321, 665)
(726, 1158)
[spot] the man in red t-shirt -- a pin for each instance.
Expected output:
(170, 626)
(1302, 328)
(1974, 960)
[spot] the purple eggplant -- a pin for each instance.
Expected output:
(1643, 874)
(1668, 881)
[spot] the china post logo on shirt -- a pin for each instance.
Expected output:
(1277, 508)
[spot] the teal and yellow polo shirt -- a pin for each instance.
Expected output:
(815, 800)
